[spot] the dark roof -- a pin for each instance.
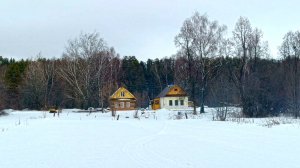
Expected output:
(165, 91)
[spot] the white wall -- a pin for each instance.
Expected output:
(164, 102)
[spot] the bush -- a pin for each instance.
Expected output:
(3, 113)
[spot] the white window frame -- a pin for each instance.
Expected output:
(177, 103)
(170, 102)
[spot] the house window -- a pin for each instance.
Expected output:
(121, 104)
(170, 103)
(156, 101)
(127, 104)
(176, 102)
(181, 102)
(122, 94)
(175, 90)
(116, 105)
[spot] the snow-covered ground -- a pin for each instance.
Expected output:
(33, 139)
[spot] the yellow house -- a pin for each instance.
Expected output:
(172, 97)
(122, 99)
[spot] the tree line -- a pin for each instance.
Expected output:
(215, 67)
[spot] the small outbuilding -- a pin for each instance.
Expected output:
(172, 97)
(122, 99)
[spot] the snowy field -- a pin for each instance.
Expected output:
(32, 139)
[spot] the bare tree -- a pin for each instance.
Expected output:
(39, 82)
(290, 49)
(77, 68)
(201, 39)
(208, 36)
(248, 47)
(184, 40)
(242, 37)
(105, 69)
(156, 73)
(34, 89)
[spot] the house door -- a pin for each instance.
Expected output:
(156, 104)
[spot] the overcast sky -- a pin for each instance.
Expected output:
(144, 28)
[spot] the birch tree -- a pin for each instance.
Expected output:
(249, 47)
(201, 39)
(184, 40)
(77, 68)
(208, 36)
(105, 70)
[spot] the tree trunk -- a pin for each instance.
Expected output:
(202, 100)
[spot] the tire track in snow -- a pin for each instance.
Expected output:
(171, 162)
(142, 153)
(136, 152)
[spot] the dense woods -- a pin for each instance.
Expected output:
(216, 68)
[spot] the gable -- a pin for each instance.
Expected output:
(176, 91)
(122, 93)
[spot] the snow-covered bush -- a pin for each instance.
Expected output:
(221, 114)
(224, 112)
(269, 122)
(5, 112)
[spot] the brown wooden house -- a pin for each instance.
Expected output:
(122, 99)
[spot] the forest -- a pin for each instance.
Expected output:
(216, 67)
